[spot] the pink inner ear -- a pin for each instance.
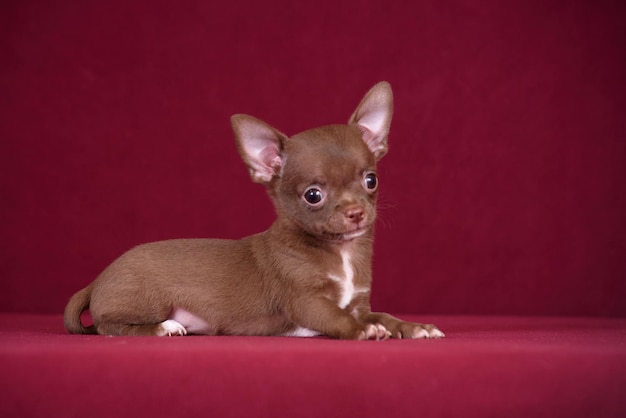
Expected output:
(265, 163)
(373, 119)
(373, 142)
(270, 157)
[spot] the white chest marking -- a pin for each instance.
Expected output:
(346, 283)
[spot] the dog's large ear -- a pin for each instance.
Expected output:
(260, 146)
(373, 116)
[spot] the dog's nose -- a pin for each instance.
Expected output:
(355, 214)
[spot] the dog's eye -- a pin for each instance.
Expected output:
(313, 195)
(371, 181)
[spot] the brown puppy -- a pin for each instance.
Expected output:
(309, 274)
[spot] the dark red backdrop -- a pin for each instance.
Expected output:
(503, 191)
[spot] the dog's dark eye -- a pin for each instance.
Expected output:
(313, 195)
(371, 181)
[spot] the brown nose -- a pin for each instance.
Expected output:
(354, 214)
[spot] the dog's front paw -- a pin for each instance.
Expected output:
(374, 332)
(414, 331)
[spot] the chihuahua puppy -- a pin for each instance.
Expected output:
(308, 274)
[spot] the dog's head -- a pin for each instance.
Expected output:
(322, 180)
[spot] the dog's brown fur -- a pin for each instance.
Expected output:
(311, 271)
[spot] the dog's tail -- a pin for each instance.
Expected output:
(75, 307)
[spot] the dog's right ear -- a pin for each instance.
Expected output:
(260, 147)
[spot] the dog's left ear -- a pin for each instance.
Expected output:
(373, 116)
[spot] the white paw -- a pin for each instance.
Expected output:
(170, 328)
(375, 332)
(426, 332)
(419, 332)
(435, 333)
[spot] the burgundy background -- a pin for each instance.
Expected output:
(503, 192)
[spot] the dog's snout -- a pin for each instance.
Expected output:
(355, 214)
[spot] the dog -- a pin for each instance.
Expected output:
(309, 274)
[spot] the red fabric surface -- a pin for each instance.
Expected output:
(487, 366)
